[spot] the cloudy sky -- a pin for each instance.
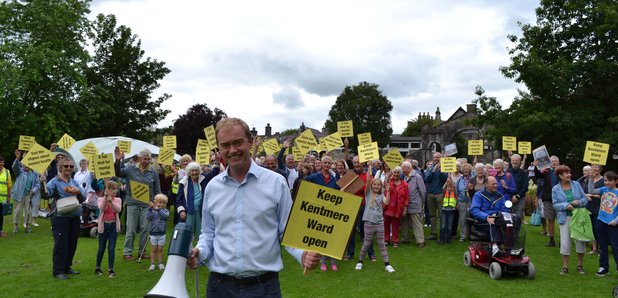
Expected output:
(285, 62)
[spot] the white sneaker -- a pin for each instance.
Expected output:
(389, 269)
(152, 267)
(35, 224)
(359, 266)
(161, 267)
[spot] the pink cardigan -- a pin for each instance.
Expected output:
(116, 206)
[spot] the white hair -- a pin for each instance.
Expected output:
(193, 166)
(499, 162)
(144, 152)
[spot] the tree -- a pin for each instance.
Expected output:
(568, 61)
(189, 127)
(415, 126)
(42, 61)
(368, 109)
(121, 82)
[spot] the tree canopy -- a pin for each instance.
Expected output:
(52, 84)
(568, 62)
(368, 109)
(189, 127)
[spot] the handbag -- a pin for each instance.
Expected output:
(67, 205)
(7, 209)
(535, 218)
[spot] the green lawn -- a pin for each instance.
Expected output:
(434, 271)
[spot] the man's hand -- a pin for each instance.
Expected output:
(490, 220)
(310, 260)
(183, 215)
(192, 261)
(117, 153)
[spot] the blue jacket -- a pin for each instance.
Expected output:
(462, 190)
(435, 181)
(185, 190)
(485, 204)
(559, 199)
(511, 188)
(17, 191)
(317, 178)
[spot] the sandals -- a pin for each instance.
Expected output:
(395, 245)
(580, 269)
(564, 270)
(593, 252)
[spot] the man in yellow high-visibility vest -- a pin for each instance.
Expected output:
(5, 192)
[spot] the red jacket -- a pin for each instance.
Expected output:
(399, 199)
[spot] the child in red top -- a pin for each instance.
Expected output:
(397, 206)
(108, 226)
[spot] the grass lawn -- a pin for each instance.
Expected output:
(434, 271)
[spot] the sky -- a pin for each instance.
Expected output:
(285, 62)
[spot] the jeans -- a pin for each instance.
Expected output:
(607, 235)
(107, 238)
(446, 225)
(136, 223)
(66, 232)
(218, 287)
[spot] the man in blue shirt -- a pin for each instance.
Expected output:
(244, 215)
(435, 179)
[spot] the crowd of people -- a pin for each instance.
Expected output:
(262, 189)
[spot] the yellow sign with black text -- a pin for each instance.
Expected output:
(345, 128)
(104, 166)
(140, 191)
(25, 142)
(524, 147)
(475, 147)
(448, 164)
(596, 153)
(393, 158)
(368, 152)
(66, 142)
(364, 138)
(509, 143)
(38, 158)
(211, 136)
(321, 220)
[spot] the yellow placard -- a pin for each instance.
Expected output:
(475, 147)
(202, 154)
(140, 191)
(169, 142)
(124, 146)
(255, 146)
(211, 136)
(203, 143)
(166, 156)
(448, 164)
(271, 147)
(368, 152)
(509, 143)
(25, 142)
(364, 138)
(298, 155)
(104, 166)
(321, 220)
(393, 158)
(88, 150)
(596, 153)
(345, 128)
(38, 158)
(306, 141)
(66, 142)
(332, 141)
(524, 147)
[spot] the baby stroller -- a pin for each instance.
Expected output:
(511, 258)
(88, 225)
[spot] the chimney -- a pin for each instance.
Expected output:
(471, 108)
(438, 115)
(268, 130)
(253, 132)
(302, 127)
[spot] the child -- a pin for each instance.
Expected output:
(374, 220)
(157, 215)
(448, 212)
(606, 224)
(108, 226)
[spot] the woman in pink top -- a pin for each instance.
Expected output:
(108, 226)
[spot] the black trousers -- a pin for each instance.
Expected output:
(221, 286)
(66, 232)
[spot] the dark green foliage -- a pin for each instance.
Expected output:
(189, 127)
(369, 110)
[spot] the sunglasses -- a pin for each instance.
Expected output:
(68, 166)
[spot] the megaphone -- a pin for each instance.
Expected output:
(172, 282)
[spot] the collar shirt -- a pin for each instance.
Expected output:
(243, 223)
(82, 178)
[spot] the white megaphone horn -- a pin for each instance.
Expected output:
(172, 282)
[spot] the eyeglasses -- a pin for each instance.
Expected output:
(68, 166)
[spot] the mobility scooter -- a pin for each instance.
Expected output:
(510, 259)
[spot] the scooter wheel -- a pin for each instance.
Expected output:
(495, 271)
(531, 271)
(467, 259)
(93, 232)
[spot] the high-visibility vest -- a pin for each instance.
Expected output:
(175, 188)
(4, 186)
(450, 200)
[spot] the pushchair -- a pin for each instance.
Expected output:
(90, 212)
